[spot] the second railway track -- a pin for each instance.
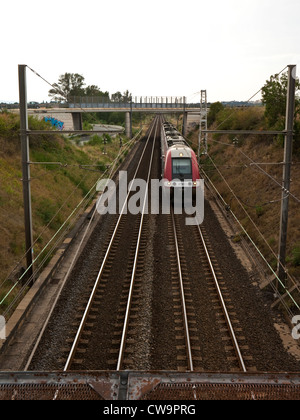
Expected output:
(122, 284)
(92, 342)
(210, 325)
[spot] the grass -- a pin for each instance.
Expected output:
(296, 256)
(54, 188)
(258, 194)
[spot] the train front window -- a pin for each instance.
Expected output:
(182, 168)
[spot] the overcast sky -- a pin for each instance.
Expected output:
(151, 48)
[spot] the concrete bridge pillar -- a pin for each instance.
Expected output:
(128, 125)
(77, 120)
(184, 123)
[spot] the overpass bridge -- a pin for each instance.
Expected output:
(71, 113)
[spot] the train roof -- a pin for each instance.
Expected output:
(173, 137)
(180, 151)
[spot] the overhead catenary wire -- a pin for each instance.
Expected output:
(44, 229)
(252, 161)
(256, 248)
(68, 272)
(252, 97)
(257, 165)
(261, 235)
(271, 177)
(71, 165)
(60, 92)
(122, 151)
(285, 191)
(53, 217)
(72, 213)
(261, 204)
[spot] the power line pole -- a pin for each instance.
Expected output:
(288, 147)
(202, 140)
(25, 169)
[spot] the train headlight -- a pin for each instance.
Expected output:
(195, 183)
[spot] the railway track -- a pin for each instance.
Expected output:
(158, 299)
(114, 284)
(109, 328)
(221, 301)
(129, 285)
(213, 338)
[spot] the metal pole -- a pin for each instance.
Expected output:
(130, 117)
(25, 169)
(202, 140)
(289, 125)
(184, 119)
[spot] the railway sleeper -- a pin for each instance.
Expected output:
(81, 350)
(114, 351)
(77, 362)
(196, 348)
(128, 362)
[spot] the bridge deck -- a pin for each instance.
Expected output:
(85, 108)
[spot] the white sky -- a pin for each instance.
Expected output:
(153, 48)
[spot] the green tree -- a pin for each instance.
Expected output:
(118, 97)
(68, 85)
(274, 94)
(214, 109)
(127, 96)
(94, 90)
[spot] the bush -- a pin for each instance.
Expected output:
(45, 210)
(10, 131)
(9, 125)
(214, 109)
(240, 119)
(296, 256)
(95, 140)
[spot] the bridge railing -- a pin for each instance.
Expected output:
(105, 102)
(135, 102)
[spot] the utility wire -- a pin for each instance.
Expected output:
(60, 92)
(121, 152)
(257, 165)
(271, 177)
(253, 96)
(55, 244)
(257, 249)
(261, 205)
(256, 227)
(45, 228)
(76, 208)
(50, 84)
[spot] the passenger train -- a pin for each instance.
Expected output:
(179, 162)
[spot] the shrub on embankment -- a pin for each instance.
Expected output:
(229, 165)
(56, 187)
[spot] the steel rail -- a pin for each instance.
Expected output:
(87, 310)
(185, 319)
(232, 333)
(128, 306)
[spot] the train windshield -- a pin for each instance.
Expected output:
(182, 168)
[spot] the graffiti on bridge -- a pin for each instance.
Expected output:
(55, 123)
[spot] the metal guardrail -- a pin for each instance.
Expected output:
(134, 101)
(134, 386)
(105, 102)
